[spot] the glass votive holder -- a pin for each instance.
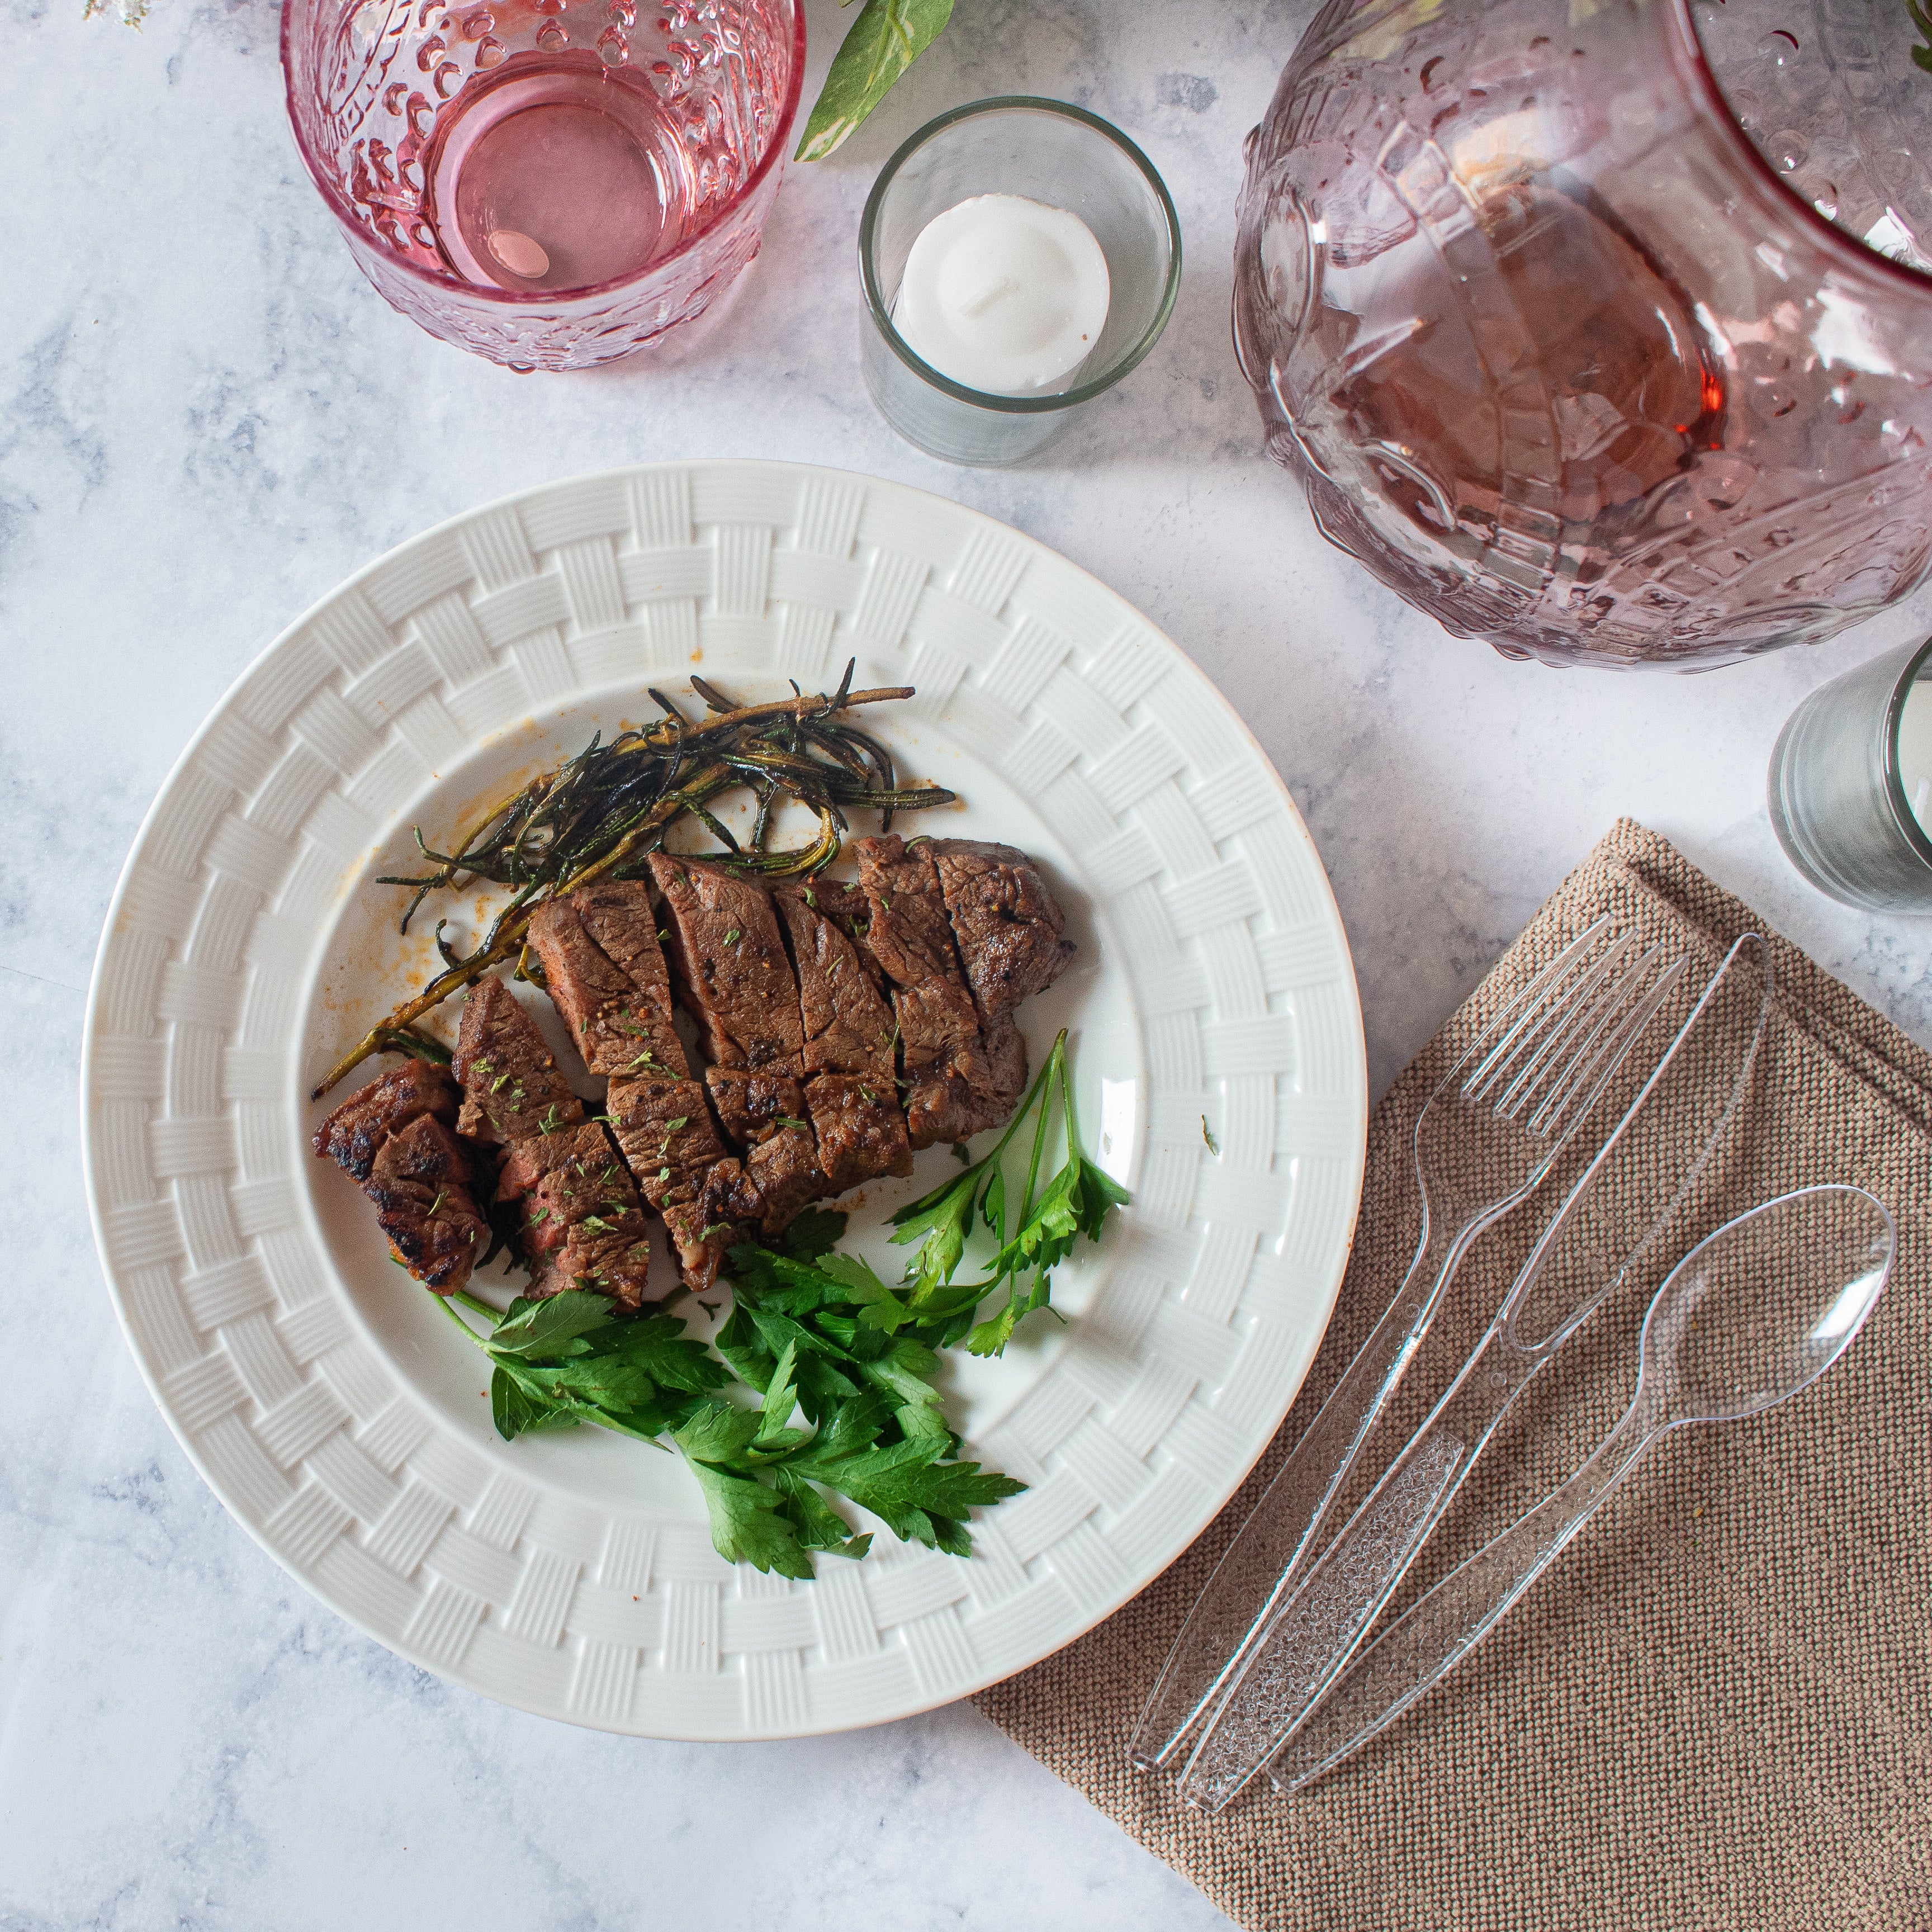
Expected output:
(1043, 150)
(1850, 778)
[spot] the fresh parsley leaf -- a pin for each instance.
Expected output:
(749, 1523)
(718, 1432)
(658, 1345)
(537, 1328)
(815, 1523)
(781, 1397)
(906, 1485)
(813, 1233)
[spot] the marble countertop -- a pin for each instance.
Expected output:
(208, 420)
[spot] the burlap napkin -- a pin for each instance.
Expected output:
(1716, 1709)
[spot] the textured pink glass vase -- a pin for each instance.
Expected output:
(552, 183)
(1558, 354)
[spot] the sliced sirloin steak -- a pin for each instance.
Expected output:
(582, 1224)
(851, 1091)
(954, 1086)
(394, 1136)
(1007, 924)
(728, 958)
(670, 1145)
(605, 970)
(511, 1087)
(605, 966)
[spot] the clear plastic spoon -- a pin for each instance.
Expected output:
(1752, 1315)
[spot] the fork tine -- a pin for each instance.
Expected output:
(1604, 1036)
(1528, 1009)
(1595, 1074)
(1582, 1023)
(1531, 1051)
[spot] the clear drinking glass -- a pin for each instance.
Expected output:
(1559, 353)
(1046, 150)
(1851, 764)
(552, 183)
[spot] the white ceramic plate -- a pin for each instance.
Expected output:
(323, 1397)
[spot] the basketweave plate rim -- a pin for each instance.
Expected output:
(1164, 1395)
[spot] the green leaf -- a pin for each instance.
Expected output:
(536, 1328)
(854, 1425)
(748, 1524)
(740, 1343)
(906, 1486)
(940, 1224)
(814, 1232)
(816, 1523)
(993, 1203)
(1099, 1193)
(516, 1410)
(658, 1344)
(780, 1399)
(885, 40)
(718, 1432)
(990, 1337)
(601, 1381)
(903, 1372)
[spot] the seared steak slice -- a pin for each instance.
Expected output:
(730, 961)
(582, 1224)
(606, 971)
(1007, 924)
(860, 1130)
(511, 1087)
(394, 1136)
(734, 976)
(851, 1094)
(752, 1107)
(707, 1200)
(784, 1169)
(953, 1085)
(353, 1136)
(848, 1027)
(971, 1090)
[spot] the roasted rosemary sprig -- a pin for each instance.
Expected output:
(600, 814)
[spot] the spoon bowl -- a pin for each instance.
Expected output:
(1761, 1308)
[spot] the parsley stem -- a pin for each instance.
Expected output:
(1053, 1061)
(446, 1303)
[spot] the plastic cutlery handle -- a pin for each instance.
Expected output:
(1312, 1634)
(1264, 1559)
(1448, 1623)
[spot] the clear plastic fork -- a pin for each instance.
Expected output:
(1485, 1142)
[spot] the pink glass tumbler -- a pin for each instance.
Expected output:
(552, 183)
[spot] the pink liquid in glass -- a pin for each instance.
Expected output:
(555, 172)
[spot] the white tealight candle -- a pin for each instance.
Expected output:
(1004, 294)
(1914, 752)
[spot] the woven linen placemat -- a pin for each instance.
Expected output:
(1716, 1709)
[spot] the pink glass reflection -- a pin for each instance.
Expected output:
(1557, 354)
(552, 183)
